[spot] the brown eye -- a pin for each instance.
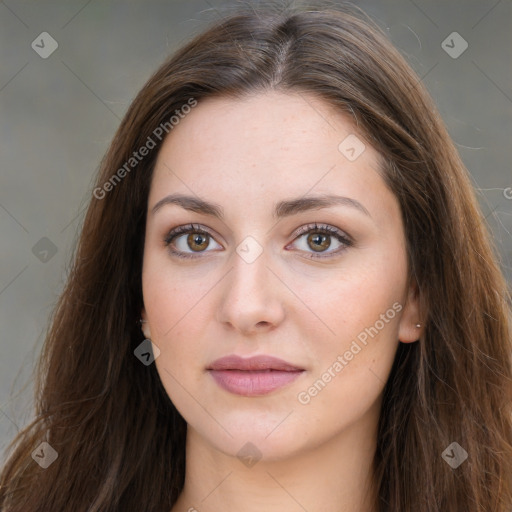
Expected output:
(319, 242)
(197, 241)
(316, 239)
(184, 241)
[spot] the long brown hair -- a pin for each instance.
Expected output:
(121, 442)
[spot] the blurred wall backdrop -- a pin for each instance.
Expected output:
(69, 69)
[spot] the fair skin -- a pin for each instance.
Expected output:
(246, 156)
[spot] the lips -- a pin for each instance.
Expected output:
(258, 375)
(252, 363)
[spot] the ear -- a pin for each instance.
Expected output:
(145, 324)
(411, 316)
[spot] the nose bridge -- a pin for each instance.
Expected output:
(250, 297)
(250, 274)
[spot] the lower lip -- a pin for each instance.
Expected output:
(253, 383)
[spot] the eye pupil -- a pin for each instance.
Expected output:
(198, 240)
(319, 241)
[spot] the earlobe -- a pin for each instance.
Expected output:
(411, 325)
(144, 325)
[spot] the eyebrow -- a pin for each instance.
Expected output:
(281, 209)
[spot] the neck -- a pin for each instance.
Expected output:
(333, 477)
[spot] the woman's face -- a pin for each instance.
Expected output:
(322, 287)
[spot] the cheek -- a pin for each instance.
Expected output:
(173, 298)
(360, 313)
(178, 320)
(352, 367)
(178, 324)
(176, 316)
(349, 301)
(179, 308)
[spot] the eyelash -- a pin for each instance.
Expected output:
(310, 228)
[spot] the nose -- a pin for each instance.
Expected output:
(252, 297)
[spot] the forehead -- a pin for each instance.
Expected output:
(267, 145)
(272, 125)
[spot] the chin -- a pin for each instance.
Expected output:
(271, 436)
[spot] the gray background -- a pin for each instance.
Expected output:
(58, 115)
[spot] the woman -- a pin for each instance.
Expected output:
(284, 295)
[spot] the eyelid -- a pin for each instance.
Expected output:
(178, 231)
(316, 226)
(341, 236)
(187, 228)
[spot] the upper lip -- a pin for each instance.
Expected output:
(263, 362)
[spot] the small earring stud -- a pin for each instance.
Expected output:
(142, 321)
(418, 326)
